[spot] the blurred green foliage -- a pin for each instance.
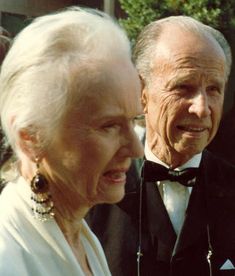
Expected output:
(219, 14)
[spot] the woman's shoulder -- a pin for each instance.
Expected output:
(11, 254)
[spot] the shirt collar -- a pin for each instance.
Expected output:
(194, 162)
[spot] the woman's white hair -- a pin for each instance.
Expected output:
(35, 80)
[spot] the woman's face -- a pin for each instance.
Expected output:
(88, 160)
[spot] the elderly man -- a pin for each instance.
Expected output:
(184, 221)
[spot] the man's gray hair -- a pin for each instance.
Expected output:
(144, 49)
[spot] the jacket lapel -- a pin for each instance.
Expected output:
(195, 219)
(158, 222)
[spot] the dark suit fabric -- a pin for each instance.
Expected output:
(210, 216)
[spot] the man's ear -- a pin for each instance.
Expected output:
(29, 143)
(144, 96)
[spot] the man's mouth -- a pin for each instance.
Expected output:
(192, 129)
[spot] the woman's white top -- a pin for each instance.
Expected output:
(29, 247)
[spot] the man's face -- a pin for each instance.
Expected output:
(184, 97)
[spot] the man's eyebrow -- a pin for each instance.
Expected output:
(180, 79)
(217, 81)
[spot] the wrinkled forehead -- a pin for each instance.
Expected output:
(176, 41)
(179, 49)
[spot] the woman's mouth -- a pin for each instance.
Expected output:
(115, 177)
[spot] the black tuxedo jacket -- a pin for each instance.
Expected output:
(209, 226)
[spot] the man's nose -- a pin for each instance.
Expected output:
(200, 105)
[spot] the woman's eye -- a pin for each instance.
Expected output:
(110, 125)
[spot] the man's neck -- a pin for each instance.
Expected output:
(171, 160)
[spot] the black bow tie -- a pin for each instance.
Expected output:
(152, 172)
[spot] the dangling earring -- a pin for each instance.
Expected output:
(42, 204)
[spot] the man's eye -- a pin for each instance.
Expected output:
(213, 88)
(184, 87)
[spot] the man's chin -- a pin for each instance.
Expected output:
(190, 151)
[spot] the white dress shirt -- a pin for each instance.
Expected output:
(174, 195)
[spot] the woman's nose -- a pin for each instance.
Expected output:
(132, 146)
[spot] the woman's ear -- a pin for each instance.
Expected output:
(29, 143)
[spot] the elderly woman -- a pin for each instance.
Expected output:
(69, 96)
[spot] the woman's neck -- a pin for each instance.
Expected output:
(72, 230)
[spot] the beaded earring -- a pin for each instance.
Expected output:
(42, 204)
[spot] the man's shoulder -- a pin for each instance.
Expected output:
(214, 162)
(218, 173)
